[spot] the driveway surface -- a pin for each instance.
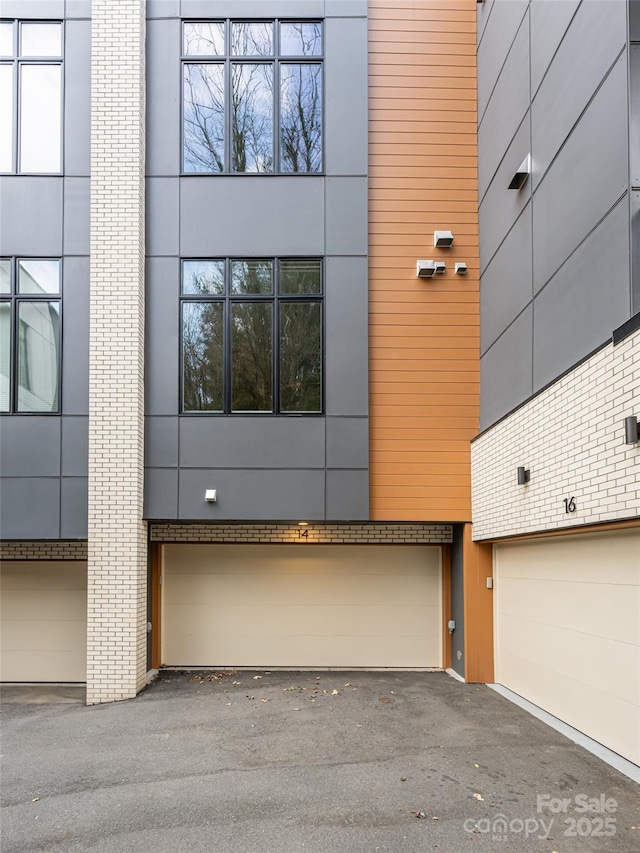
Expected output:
(255, 762)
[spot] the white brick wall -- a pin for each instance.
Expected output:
(571, 438)
(117, 569)
(43, 550)
(328, 534)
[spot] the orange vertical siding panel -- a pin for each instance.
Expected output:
(424, 333)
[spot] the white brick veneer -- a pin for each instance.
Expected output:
(324, 534)
(571, 438)
(117, 568)
(43, 551)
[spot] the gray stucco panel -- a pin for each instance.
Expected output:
(30, 446)
(161, 493)
(505, 371)
(252, 494)
(31, 215)
(75, 336)
(162, 362)
(30, 507)
(548, 22)
(347, 216)
(163, 216)
(161, 442)
(347, 495)
(76, 216)
(73, 508)
(251, 216)
(163, 97)
(77, 104)
(75, 446)
(347, 442)
(496, 37)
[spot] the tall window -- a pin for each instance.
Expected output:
(30, 96)
(252, 96)
(252, 336)
(29, 335)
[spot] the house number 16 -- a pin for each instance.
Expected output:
(569, 504)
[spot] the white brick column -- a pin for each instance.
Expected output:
(117, 547)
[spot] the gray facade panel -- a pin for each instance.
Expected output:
(31, 215)
(635, 250)
(634, 20)
(77, 94)
(29, 507)
(251, 494)
(347, 216)
(253, 8)
(347, 442)
(501, 206)
(161, 493)
(506, 286)
(75, 336)
(163, 97)
(252, 442)
(346, 110)
(163, 9)
(594, 39)
(482, 17)
(76, 216)
(345, 8)
(506, 109)
(588, 176)
(634, 117)
(502, 23)
(47, 9)
(77, 8)
(161, 442)
(163, 216)
(347, 495)
(505, 371)
(251, 216)
(30, 446)
(549, 21)
(162, 362)
(75, 446)
(73, 508)
(347, 329)
(585, 301)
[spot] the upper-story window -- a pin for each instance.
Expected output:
(30, 97)
(252, 97)
(29, 334)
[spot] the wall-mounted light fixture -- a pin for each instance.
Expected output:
(631, 430)
(461, 269)
(425, 269)
(522, 173)
(442, 239)
(524, 475)
(210, 495)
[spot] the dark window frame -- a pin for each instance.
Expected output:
(17, 61)
(15, 299)
(275, 60)
(275, 298)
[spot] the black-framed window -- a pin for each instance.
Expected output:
(252, 336)
(31, 96)
(252, 97)
(30, 291)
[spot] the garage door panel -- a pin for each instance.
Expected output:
(568, 631)
(608, 719)
(303, 652)
(584, 558)
(49, 666)
(261, 589)
(299, 559)
(605, 610)
(42, 604)
(313, 619)
(602, 664)
(48, 574)
(309, 606)
(43, 615)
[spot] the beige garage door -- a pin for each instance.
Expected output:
(568, 632)
(301, 606)
(43, 613)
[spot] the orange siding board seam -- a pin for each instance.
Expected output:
(424, 335)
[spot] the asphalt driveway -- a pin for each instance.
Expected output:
(286, 762)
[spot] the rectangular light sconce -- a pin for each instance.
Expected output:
(461, 269)
(210, 496)
(442, 239)
(524, 475)
(521, 175)
(425, 269)
(631, 430)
